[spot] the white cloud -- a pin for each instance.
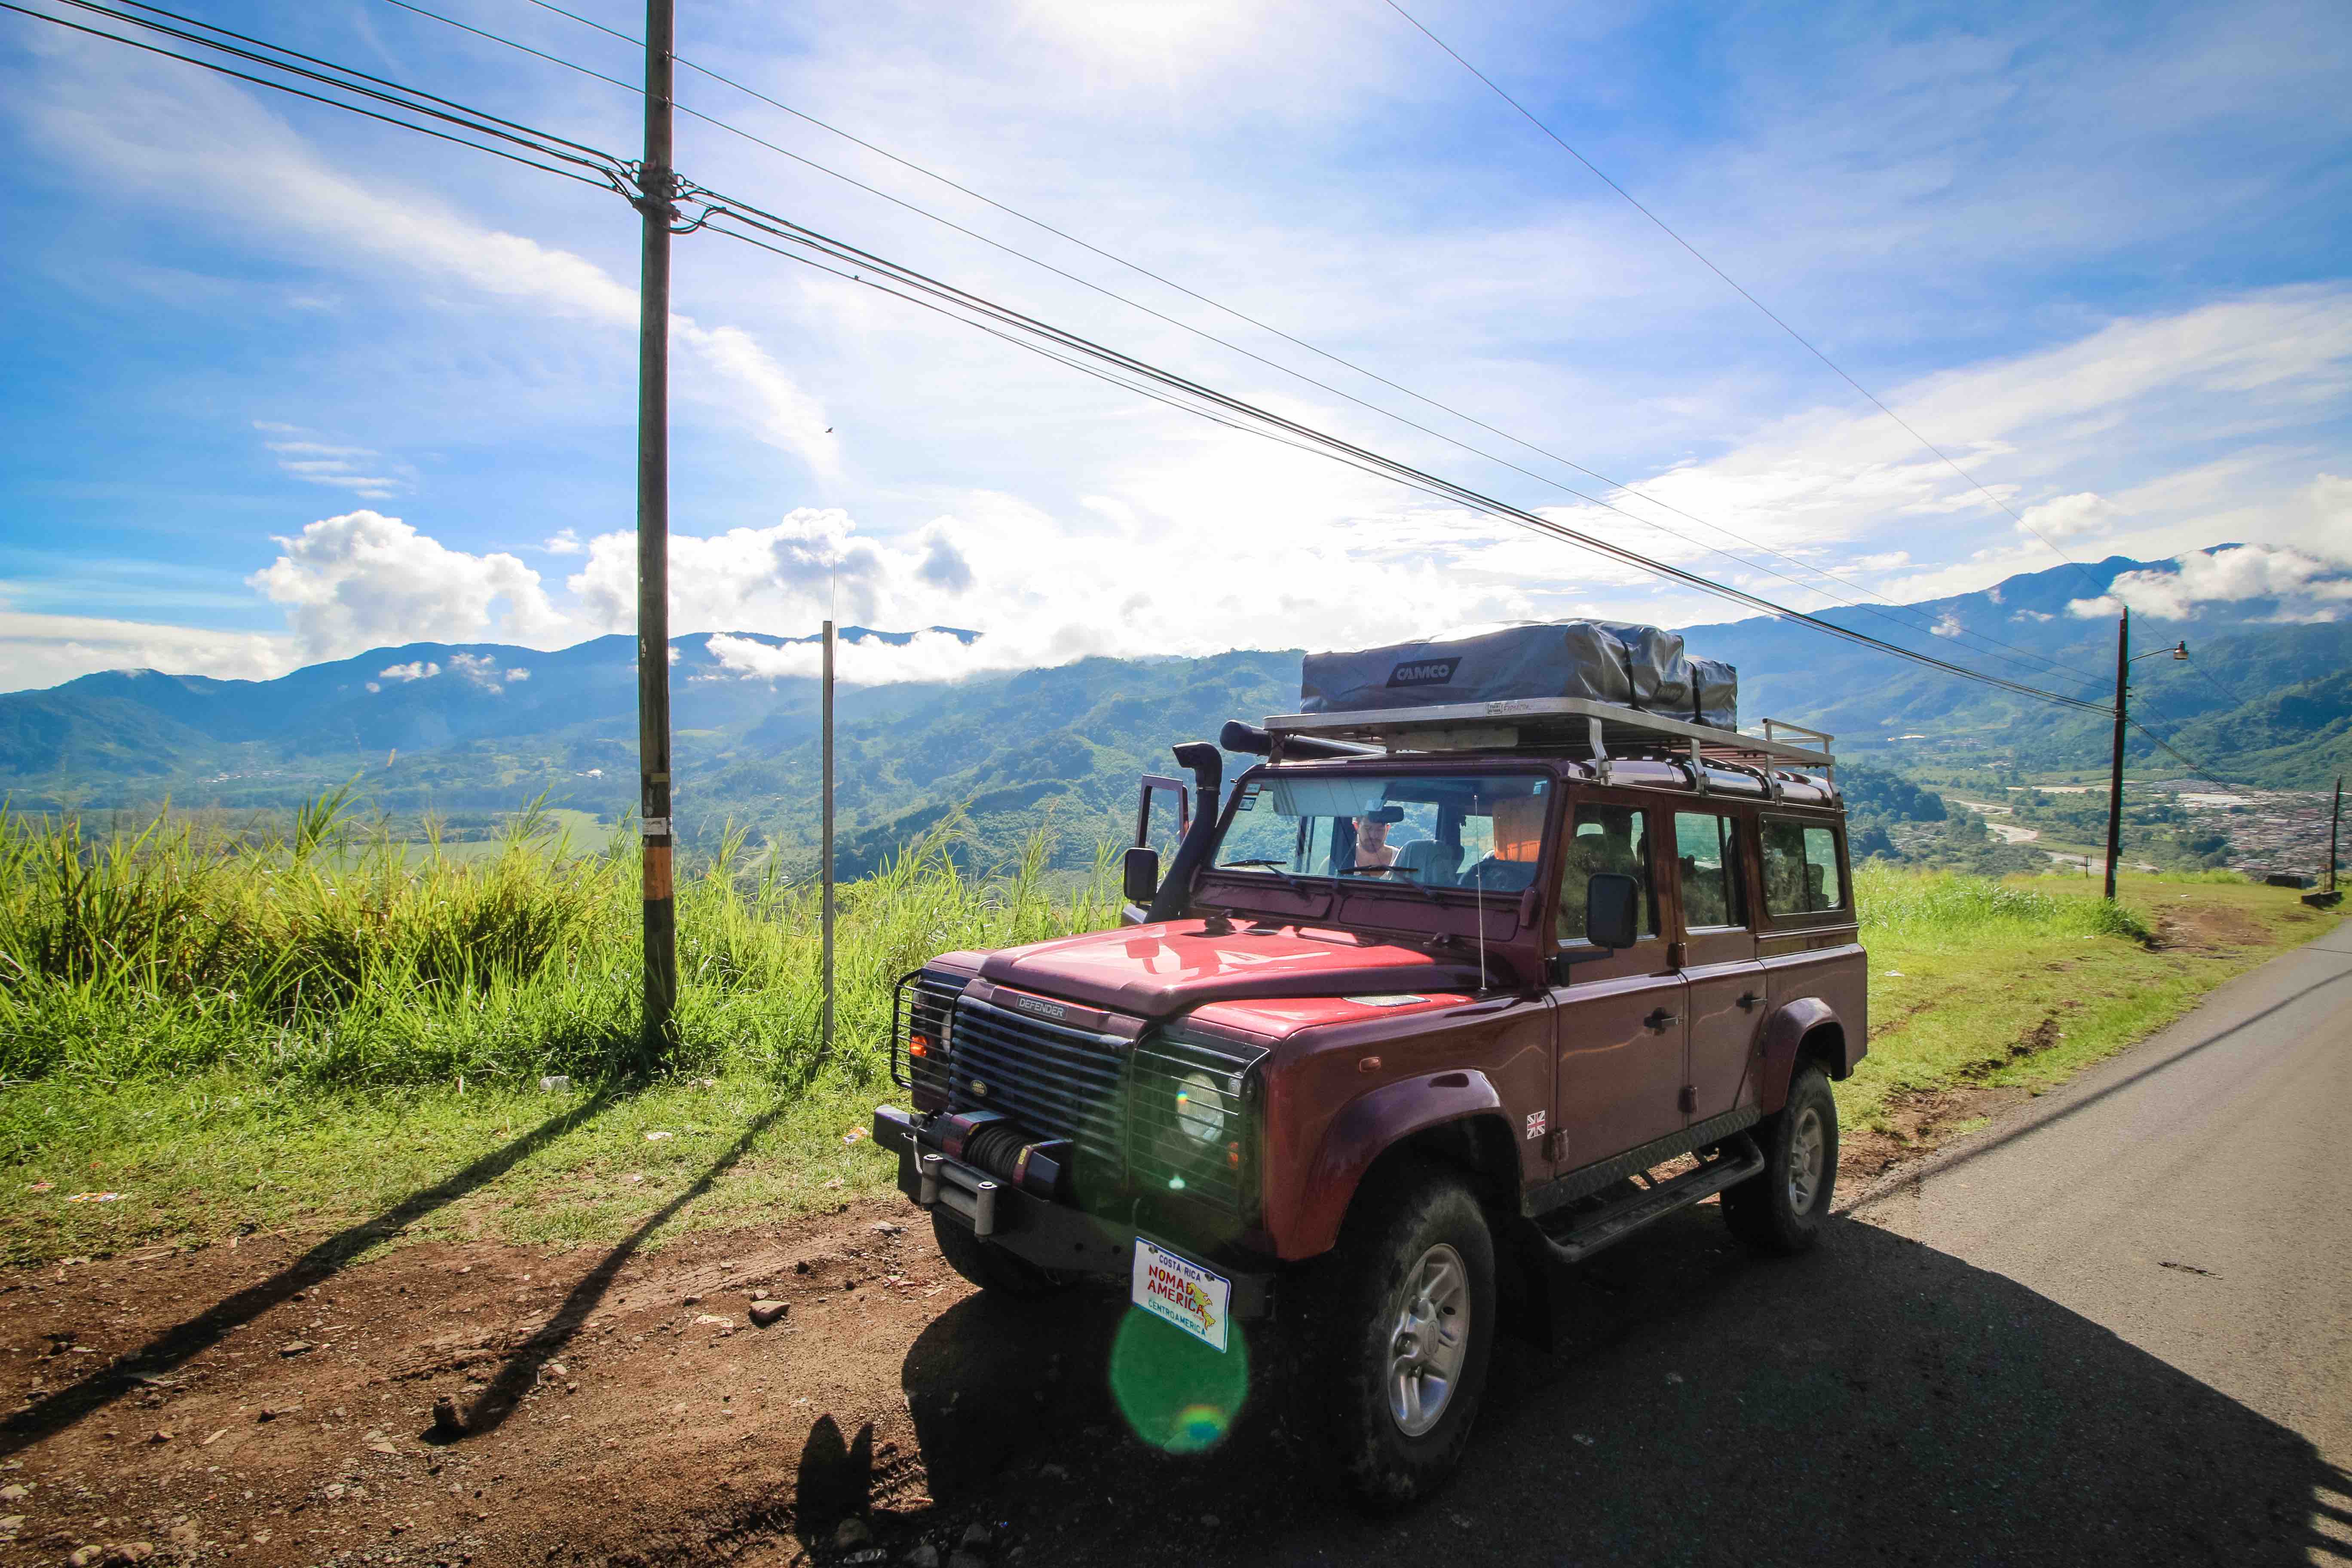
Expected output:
(363, 580)
(193, 142)
(481, 670)
(563, 542)
(2128, 398)
(2306, 587)
(38, 650)
(416, 670)
(2069, 517)
(928, 655)
(324, 463)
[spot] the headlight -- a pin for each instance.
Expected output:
(1200, 1108)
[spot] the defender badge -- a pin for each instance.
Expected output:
(980, 1089)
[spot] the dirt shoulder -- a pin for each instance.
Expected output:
(268, 1402)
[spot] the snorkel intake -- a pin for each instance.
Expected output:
(1207, 765)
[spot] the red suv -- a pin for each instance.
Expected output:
(1431, 999)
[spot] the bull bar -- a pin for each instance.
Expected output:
(1048, 1234)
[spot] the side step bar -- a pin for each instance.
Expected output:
(1739, 1160)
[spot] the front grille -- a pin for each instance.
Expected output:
(1116, 1099)
(1056, 1082)
(1212, 1079)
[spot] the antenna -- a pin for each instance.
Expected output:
(1478, 892)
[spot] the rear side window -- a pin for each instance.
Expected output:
(1707, 855)
(1604, 838)
(1800, 869)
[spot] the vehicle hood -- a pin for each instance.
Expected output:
(1170, 967)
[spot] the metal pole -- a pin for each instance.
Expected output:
(824, 835)
(656, 186)
(2116, 774)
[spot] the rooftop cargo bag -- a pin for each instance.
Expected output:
(1562, 659)
(1715, 693)
(1633, 665)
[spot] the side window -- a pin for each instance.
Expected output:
(1800, 869)
(1604, 838)
(1707, 852)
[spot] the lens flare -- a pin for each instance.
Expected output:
(1177, 1393)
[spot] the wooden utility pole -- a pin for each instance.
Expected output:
(824, 834)
(2115, 773)
(2334, 824)
(656, 187)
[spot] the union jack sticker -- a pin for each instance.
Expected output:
(1535, 1124)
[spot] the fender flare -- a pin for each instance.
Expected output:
(1783, 1034)
(1370, 1125)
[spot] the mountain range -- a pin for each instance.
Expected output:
(480, 728)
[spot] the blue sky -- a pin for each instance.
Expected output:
(288, 385)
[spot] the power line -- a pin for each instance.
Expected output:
(719, 206)
(411, 99)
(1197, 398)
(1769, 312)
(2196, 768)
(2040, 660)
(611, 181)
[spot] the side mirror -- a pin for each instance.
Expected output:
(1612, 910)
(1139, 875)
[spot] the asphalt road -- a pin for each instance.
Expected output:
(2115, 1326)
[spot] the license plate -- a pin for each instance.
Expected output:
(1183, 1292)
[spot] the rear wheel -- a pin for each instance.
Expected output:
(1405, 1321)
(990, 1267)
(1781, 1211)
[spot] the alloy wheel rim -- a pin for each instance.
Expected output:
(1429, 1340)
(1805, 1160)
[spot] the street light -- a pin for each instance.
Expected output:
(2124, 661)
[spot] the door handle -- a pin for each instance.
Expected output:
(1657, 1021)
(1747, 999)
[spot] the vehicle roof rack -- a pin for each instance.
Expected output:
(1564, 726)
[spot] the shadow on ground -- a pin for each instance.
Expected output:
(194, 1335)
(1875, 1402)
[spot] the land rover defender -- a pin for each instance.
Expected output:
(1436, 996)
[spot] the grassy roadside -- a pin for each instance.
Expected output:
(1970, 1014)
(1979, 990)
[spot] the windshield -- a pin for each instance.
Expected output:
(1482, 831)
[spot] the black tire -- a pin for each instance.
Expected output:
(1401, 1221)
(991, 1267)
(1776, 1213)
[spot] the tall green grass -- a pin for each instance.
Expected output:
(332, 953)
(1950, 904)
(335, 953)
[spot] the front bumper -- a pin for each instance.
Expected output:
(1050, 1235)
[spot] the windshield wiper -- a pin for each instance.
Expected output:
(1289, 881)
(1423, 889)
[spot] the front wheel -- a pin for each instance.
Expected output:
(1407, 1317)
(1781, 1211)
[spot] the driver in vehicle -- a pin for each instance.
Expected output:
(1372, 846)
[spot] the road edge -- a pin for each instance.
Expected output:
(2056, 1102)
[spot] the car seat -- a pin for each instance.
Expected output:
(1431, 862)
